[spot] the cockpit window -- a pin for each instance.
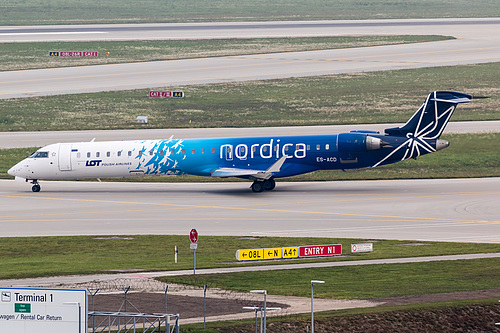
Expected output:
(40, 154)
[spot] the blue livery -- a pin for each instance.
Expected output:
(259, 159)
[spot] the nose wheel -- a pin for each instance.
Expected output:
(36, 187)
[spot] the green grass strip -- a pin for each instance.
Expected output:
(352, 282)
(50, 256)
(34, 12)
(22, 56)
(375, 97)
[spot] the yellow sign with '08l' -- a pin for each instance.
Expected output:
(254, 254)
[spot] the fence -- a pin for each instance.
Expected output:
(128, 322)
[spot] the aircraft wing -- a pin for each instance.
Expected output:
(260, 174)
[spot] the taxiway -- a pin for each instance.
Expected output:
(464, 210)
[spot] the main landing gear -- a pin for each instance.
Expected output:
(263, 185)
(36, 187)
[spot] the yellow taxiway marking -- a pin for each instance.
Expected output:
(220, 207)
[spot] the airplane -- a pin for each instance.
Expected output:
(259, 159)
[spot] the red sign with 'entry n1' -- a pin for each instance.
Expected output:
(320, 250)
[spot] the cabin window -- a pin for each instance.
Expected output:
(119, 153)
(264, 149)
(88, 154)
(162, 152)
(97, 154)
(140, 152)
(192, 151)
(203, 150)
(183, 151)
(151, 153)
(308, 147)
(318, 147)
(129, 153)
(172, 151)
(78, 155)
(108, 154)
(213, 150)
(327, 146)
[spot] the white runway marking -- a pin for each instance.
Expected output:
(51, 33)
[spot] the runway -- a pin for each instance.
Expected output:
(464, 210)
(463, 27)
(474, 44)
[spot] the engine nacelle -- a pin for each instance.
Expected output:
(356, 142)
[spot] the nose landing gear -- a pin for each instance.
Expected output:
(36, 187)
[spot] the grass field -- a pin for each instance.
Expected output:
(375, 97)
(52, 256)
(469, 155)
(22, 56)
(36, 12)
(354, 282)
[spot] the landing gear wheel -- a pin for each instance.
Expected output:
(269, 184)
(36, 188)
(258, 187)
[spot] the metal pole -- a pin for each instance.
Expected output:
(261, 321)
(194, 263)
(265, 310)
(166, 289)
(80, 318)
(125, 303)
(312, 308)
(255, 318)
(204, 304)
(93, 309)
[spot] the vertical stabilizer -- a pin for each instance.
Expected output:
(431, 119)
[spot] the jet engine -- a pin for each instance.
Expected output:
(357, 142)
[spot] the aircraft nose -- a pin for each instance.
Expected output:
(15, 170)
(12, 171)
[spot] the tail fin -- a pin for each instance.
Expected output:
(431, 119)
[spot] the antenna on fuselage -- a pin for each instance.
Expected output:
(92, 140)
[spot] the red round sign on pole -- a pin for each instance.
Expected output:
(193, 236)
